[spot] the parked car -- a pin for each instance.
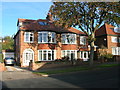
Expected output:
(9, 61)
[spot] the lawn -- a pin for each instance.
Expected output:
(75, 69)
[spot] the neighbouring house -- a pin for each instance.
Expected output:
(7, 53)
(41, 40)
(108, 38)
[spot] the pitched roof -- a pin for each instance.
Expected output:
(34, 25)
(106, 29)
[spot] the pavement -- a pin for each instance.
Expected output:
(15, 68)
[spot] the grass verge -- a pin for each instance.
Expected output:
(74, 69)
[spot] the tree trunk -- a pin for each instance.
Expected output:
(91, 51)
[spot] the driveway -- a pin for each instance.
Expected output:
(102, 78)
(14, 68)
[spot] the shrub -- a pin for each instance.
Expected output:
(108, 56)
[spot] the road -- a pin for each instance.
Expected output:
(102, 78)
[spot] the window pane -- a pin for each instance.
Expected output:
(44, 55)
(49, 37)
(68, 38)
(63, 38)
(114, 39)
(72, 55)
(26, 36)
(40, 55)
(40, 37)
(53, 37)
(45, 37)
(83, 40)
(49, 55)
(31, 37)
(73, 38)
(118, 50)
(85, 55)
(63, 53)
(52, 55)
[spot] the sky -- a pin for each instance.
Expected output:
(11, 11)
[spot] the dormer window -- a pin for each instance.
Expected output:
(117, 29)
(43, 23)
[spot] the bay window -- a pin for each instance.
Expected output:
(46, 55)
(46, 37)
(69, 38)
(84, 54)
(116, 50)
(29, 37)
(72, 54)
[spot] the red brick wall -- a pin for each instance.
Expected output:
(2, 67)
(111, 44)
(36, 46)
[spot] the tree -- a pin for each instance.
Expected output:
(8, 43)
(88, 16)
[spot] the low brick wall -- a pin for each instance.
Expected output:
(44, 65)
(34, 66)
(2, 67)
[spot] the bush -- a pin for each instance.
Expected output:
(108, 56)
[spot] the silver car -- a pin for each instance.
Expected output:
(9, 61)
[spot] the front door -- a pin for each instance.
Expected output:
(27, 56)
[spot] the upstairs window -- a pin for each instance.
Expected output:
(115, 39)
(69, 38)
(43, 23)
(82, 40)
(117, 29)
(29, 37)
(46, 37)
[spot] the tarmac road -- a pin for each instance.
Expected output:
(101, 78)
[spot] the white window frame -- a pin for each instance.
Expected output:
(83, 40)
(115, 41)
(47, 34)
(29, 33)
(82, 55)
(29, 51)
(117, 29)
(66, 42)
(66, 53)
(41, 56)
(116, 50)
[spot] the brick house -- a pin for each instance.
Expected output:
(41, 40)
(108, 36)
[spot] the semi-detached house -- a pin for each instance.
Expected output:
(108, 36)
(41, 40)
